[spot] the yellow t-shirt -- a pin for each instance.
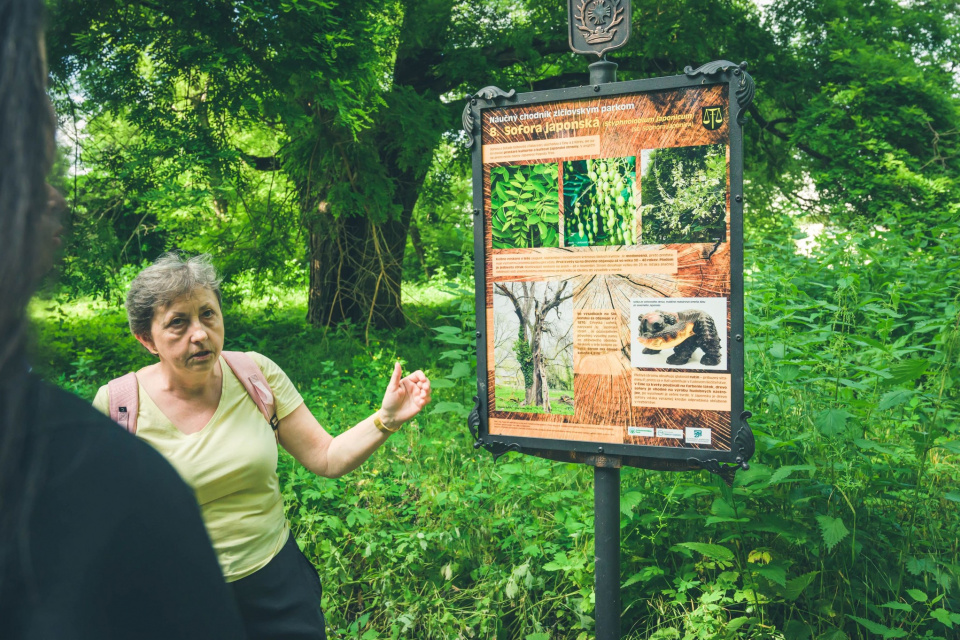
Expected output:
(231, 464)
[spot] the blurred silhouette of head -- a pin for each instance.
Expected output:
(27, 147)
(27, 212)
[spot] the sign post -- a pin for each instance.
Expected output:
(608, 225)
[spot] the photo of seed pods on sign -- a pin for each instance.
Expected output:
(599, 202)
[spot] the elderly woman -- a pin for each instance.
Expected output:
(197, 413)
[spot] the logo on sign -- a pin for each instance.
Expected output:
(712, 118)
(698, 435)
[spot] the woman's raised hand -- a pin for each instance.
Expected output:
(405, 397)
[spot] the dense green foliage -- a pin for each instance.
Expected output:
(846, 523)
(684, 195)
(267, 132)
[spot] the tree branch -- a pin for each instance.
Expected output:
(769, 126)
(558, 298)
(516, 306)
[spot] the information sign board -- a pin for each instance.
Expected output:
(609, 260)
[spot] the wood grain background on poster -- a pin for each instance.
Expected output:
(603, 399)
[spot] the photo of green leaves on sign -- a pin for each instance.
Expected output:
(525, 204)
(599, 203)
(683, 194)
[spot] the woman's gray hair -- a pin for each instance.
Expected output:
(170, 277)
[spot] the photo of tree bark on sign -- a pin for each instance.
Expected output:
(533, 346)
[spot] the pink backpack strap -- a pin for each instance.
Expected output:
(253, 380)
(125, 401)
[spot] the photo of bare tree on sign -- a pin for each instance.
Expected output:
(533, 347)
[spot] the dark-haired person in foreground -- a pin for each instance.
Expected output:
(99, 536)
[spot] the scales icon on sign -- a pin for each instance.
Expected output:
(712, 118)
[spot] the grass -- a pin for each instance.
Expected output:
(512, 399)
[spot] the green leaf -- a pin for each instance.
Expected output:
(648, 574)
(785, 472)
(894, 398)
(951, 445)
(796, 586)
(876, 627)
(917, 595)
(943, 617)
(797, 630)
(834, 634)
(447, 329)
(736, 623)
(461, 370)
(447, 407)
(832, 422)
(952, 496)
(906, 371)
(441, 383)
(712, 551)
(721, 509)
(629, 502)
(772, 572)
(537, 636)
(899, 606)
(872, 446)
(833, 530)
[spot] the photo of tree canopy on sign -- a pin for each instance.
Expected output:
(533, 347)
(525, 205)
(683, 194)
(599, 203)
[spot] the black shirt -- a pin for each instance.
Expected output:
(117, 548)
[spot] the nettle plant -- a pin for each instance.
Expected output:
(525, 202)
(599, 202)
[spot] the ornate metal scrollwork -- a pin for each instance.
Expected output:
(745, 87)
(473, 423)
(713, 465)
(492, 93)
(746, 445)
(468, 123)
(487, 93)
(499, 448)
(473, 420)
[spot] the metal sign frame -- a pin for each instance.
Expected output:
(723, 463)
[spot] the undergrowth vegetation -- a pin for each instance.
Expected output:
(845, 526)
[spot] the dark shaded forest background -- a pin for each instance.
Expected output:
(313, 147)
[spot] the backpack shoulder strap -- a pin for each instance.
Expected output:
(125, 401)
(255, 383)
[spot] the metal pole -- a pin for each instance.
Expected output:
(606, 509)
(603, 72)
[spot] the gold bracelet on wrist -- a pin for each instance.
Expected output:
(378, 423)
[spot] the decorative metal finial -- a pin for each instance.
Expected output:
(598, 26)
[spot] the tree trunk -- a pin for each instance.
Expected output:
(355, 272)
(417, 241)
(538, 394)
